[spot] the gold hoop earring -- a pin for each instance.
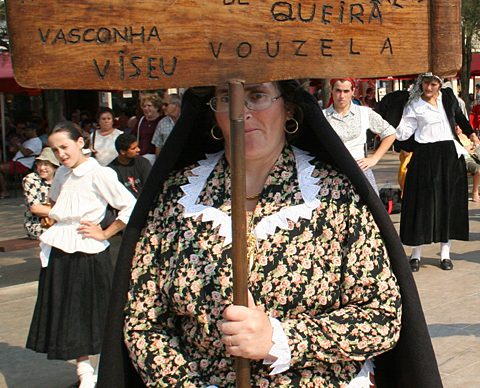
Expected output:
(294, 129)
(212, 133)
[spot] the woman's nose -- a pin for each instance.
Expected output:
(247, 113)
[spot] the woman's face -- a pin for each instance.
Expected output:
(264, 129)
(430, 88)
(45, 169)
(68, 151)
(342, 94)
(105, 121)
(149, 110)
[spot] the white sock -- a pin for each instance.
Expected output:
(416, 252)
(445, 250)
(85, 374)
(95, 373)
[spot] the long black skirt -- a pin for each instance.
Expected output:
(69, 316)
(435, 198)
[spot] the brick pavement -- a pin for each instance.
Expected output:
(451, 301)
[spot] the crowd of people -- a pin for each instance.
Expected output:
(115, 142)
(80, 185)
(332, 301)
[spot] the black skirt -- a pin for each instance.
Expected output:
(69, 316)
(435, 198)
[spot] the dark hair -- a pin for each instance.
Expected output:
(73, 131)
(86, 122)
(124, 141)
(289, 90)
(333, 81)
(104, 109)
(20, 121)
(431, 78)
(31, 127)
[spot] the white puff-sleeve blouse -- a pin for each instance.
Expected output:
(428, 123)
(82, 194)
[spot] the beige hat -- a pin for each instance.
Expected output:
(48, 155)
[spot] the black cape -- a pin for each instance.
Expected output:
(410, 364)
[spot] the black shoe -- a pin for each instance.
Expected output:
(446, 264)
(414, 265)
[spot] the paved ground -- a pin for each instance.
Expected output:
(451, 301)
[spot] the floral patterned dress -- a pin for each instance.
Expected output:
(320, 268)
(35, 190)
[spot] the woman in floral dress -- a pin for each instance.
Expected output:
(36, 187)
(324, 301)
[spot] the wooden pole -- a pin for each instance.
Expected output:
(445, 38)
(239, 221)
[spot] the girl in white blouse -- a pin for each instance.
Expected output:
(74, 284)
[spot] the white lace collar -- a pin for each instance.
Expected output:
(308, 187)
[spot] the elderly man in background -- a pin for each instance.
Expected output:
(171, 109)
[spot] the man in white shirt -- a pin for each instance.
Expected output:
(24, 158)
(351, 123)
(171, 109)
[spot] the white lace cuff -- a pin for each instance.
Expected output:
(280, 349)
(362, 380)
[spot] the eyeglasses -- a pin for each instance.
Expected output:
(253, 101)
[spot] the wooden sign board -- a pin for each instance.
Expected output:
(150, 44)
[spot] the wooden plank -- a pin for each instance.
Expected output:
(148, 44)
(446, 37)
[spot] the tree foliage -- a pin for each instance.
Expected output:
(470, 31)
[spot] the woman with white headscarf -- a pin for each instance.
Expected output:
(435, 207)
